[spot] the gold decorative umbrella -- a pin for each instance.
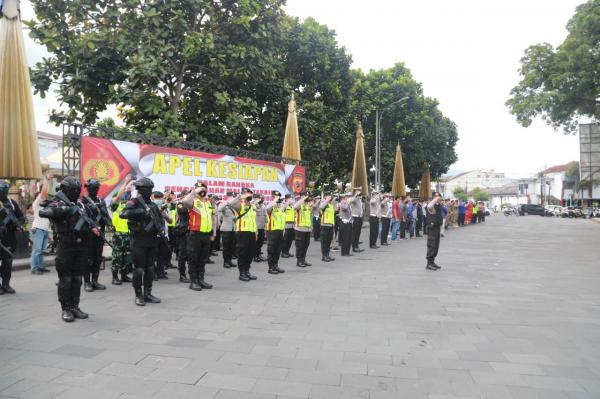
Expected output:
(19, 153)
(359, 170)
(291, 141)
(398, 183)
(425, 189)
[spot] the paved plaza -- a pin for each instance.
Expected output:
(514, 313)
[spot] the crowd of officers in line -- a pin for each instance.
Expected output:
(149, 227)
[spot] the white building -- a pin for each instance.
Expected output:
(547, 187)
(506, 195)
(484, 179)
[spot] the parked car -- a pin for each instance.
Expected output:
(531, 209)
(555, 210)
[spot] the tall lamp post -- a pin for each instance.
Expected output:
(378, 116)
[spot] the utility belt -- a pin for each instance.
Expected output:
(70, 238)
(346, 221)
(207, 233)
(374, 216)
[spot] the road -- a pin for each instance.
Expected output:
(514, 313)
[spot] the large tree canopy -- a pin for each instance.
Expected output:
(562, 85)
(221, 72)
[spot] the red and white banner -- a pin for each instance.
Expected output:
(110, 161)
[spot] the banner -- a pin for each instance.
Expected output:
(110, 161)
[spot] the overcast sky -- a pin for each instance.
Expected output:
(465, 53)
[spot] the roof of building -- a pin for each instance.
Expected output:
(509, 189)
(49, 136)
(559, 168)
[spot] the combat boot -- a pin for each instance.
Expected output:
(67, 316)
(78, 313)
(204, 284)
(115, 279)
(124, 277)
(87, 287)
(272, 270)
(325, 259)
(227, 264)
(430, 266)
(195, 285)
(279, 270)
(305, 262)
(139, 298)
(183, 278)
(244, 277)
(7, 288)
(300, 263)
(330, 258)
(148, 297)
(96, 285)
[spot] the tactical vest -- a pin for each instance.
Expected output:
(119, 223)
(200, 218)
(246, 220)
(276, 219)
(328, 215)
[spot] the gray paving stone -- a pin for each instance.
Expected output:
(499, 321)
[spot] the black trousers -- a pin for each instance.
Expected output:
(356, 227)
(373, 230)
(173, 241)
(198, 251)
(402, 229)
(419, 226)
(260, 240)
(182, 253)
(71, 261)
(245, 241)
(216, 243)
(345, 237)
(316, 227)
(274, 243)
(9, 241)
(336, 227)
(474, 218)
(385, 230)
(302, 243)
(228, 238)
(95, 245)
(143, 253)
(288, 238)
(326, 237)
(461, 219)
(433, 243)
(163, 258)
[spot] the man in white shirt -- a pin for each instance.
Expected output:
(39, 230)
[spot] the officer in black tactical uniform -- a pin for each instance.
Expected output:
(96, 209)
(146, 226)
(11, 220)
(181, 231)
(66, 211)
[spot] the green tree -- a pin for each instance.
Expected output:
(480, 195)
(563, 84)
(460, 194)
(424, 133)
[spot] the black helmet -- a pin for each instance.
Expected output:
(4, 187)
(92, 186)
(71, 187)
(144, 186)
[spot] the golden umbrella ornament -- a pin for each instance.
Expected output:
(359, 170)
(425, 189)
(291, 141)
(19, 152)
(398, 183)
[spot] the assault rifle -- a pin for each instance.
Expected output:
(83, 218)
(101, 214)
(159, 224)
(10, 216)
(2, 247)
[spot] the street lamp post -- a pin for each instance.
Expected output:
(378, 116)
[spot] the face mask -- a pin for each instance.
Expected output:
(202, 194)
(158, 202)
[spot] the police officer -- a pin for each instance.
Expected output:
(66, 211)
(374, 220)
(275, 225)
(96, 209)
(200, 236)
(245, 233)
(261, 220)
(303, 227)
(385, 212)
(327, 209)
(434, 224)
(146, 227)
(357, 215)
(11, 220)
(227, 228)
(289, 233)
(345, 215)
(181, 231)
(121, 253)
